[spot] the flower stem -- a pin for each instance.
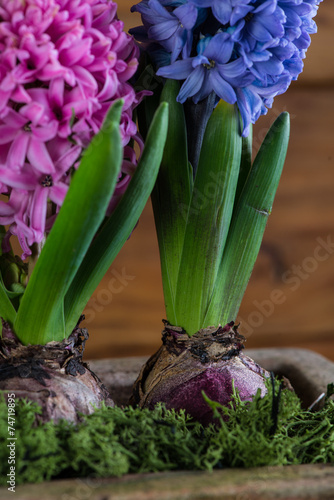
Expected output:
(36, 249)
(197, 117)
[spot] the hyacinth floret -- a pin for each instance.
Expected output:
(172, 29)
(62, 65)
(266, 41)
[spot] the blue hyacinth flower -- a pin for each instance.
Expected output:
(246, 51)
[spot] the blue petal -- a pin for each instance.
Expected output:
(239, 13)
(159, 9)
(179, 70)
(192, 84)
(179, 43)
(163, 31)
(222, 10)
(233, 70)
(204, 91)
(268, 7)
(220, 48)
(199, 61)
(263, 69)
(259, 31)
(222, 88)
(202, 3)
(250, 105)
(187, 15)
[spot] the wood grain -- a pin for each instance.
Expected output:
(290, 297)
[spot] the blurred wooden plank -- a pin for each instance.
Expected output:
(297, 256)
(124, 316)
(318, 64)
(130, 19)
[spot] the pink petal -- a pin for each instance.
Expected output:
(126, 93)
(129, 154)
(110, 86)
(9, 83)
(100, 49)
(73, 54)
(7, 213)
(126, 73)
(6, 220)
(38, 210)
(128, 167)
(39, 157)
(6, 209)
(85, 78)
(64, 130)
(67, 160)
(22, 240)
(47, 132)
(7, 134)
(40, 98)
(33, 112)
(6, 246)
(18, 150)
(58, 192)
(55, 70)
(80, 108)
(56, 92)
(17, 179)
(14, 119)
(4, 96)
(20, 95)
(38, 55)
(69, 37)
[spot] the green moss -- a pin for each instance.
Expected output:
(115, 441)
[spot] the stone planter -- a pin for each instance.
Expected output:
(309, 374)
(311, 482)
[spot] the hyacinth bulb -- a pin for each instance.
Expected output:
(185, 366)
(51, 375)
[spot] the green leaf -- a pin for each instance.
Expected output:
(7, 310)
(119, 226)
(148, 80)
(17, 289)
(248, 224)
(245, 164)
(171, 197)
(40, 317)
(209, 216)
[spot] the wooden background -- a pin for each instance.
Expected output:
(290, 297)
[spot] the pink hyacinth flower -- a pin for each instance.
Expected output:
(62, 65)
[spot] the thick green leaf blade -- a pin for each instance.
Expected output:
(171, 197)
(209, 216)
(40, 318)
(119, 226)
(248, 224)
